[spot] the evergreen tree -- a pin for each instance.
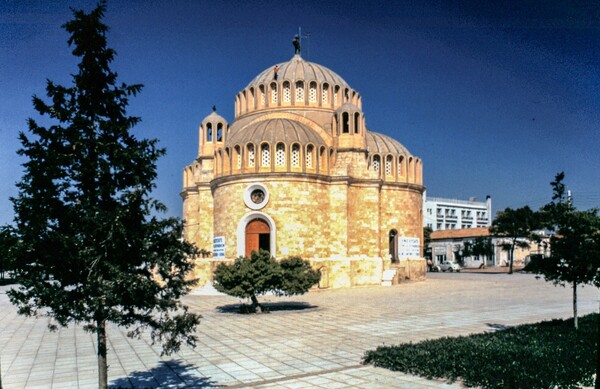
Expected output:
(91, 249)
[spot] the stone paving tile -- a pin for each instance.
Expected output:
(319, 347)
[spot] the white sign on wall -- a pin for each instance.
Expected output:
(219, 247)
(439, 250)
(409, 247)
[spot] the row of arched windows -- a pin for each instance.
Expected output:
(298, 93)
(348, 123)
(398, 168)
(213, 134)
(263, 158)
(253, 158)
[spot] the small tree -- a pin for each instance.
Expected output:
(261, 273)
(516, 226)
(84, 213)
(483, 247)
(575, 245)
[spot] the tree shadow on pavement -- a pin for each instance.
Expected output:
(498, 327)
(168, 374)
(267, 307)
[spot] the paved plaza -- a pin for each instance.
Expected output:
(312, 341)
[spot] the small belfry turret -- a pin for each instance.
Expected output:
(211, 134)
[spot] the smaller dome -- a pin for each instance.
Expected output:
(347, 107)
(214, 117)
(275, 131)
(382, 144)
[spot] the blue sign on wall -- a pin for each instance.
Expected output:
(219, 247)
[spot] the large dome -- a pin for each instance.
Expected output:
(299, 69)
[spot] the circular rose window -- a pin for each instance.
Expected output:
(256, 196)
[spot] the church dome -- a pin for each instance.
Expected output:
(296, 84)
(382, 144)
(275, 131)
(299, 69)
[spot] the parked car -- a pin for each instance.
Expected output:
(449, 266)
(473, 263)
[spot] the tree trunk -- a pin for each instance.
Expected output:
(511, 254)
(255, 305)
(102, 365)
(597, 386)
(575, 305)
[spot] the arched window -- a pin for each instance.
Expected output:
(262, 95)
(209, 132)
(400, 166)
(220, 132)
(280, 155)
(252, 102)
(219, 161)
(376, 163)
(335, 96)
(331, 158)
(299, 91)
(393, 245)
(273, 93)
(309, 156)
(356, 123)
(250, 155)
(388, 165)
(325, 94)
(323, 159)
(287, 95)
(312, 92)
(265, 154)
(227, 161)
(345, 123)
(238, 157)
(295, 155)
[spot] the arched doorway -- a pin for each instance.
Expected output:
(393, 245)
(258, 236)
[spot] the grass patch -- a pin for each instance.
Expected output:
(542, 355)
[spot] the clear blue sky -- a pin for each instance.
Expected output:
(496, 97)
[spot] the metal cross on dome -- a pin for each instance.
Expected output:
(297, 42)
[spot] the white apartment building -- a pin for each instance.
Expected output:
(451, 214)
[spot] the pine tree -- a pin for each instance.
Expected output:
(91, 249)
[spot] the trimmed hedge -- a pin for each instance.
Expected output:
(543, 355)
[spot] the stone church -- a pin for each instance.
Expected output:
(298, 173)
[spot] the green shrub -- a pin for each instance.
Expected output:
(543, 355)
(298, 276)
(261, 273)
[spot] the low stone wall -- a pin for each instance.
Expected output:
(336, 273)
